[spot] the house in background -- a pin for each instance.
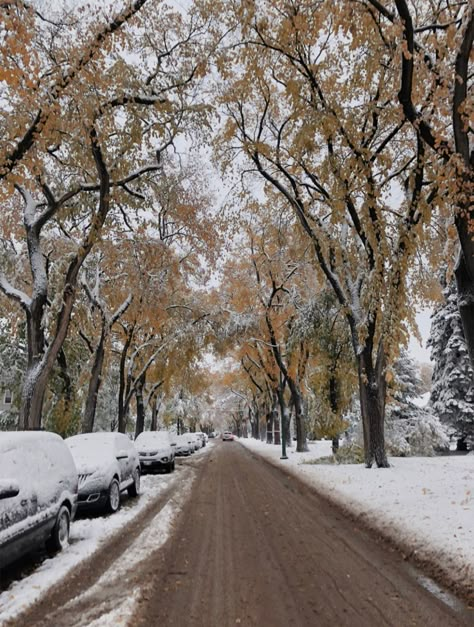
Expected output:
(8, 408)
(6, 399)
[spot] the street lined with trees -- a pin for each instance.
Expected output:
(341, 133)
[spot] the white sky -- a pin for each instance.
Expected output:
(420, 352)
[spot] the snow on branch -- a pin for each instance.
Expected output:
(31, 207)
(11, 292)
(121, 310)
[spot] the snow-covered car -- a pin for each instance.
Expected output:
(203, 437)
(227, 436)
(156, 450)
(184, 446)
(38, 493)
(107, 464)
(196, 440)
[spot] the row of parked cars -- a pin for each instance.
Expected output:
(44, 480)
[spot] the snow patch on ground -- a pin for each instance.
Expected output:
(425, 503)
(108, 596)
(119, 616)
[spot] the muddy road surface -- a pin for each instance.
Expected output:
(251, 546)
(256, 547)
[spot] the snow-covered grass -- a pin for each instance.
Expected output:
(88, 534)
(424, 504)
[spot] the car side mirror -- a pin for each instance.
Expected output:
(8, 489)
(122, 454)
(173, 443)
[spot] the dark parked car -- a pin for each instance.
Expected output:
(38, 493)
(107, 464)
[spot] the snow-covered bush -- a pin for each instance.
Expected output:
(419, 433)
(8, 420)
(410, 430)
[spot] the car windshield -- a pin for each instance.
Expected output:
(91, 446)
(153, 438)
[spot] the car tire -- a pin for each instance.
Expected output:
(113, 497)
(172, 464)
(59, 538)
(134, 489)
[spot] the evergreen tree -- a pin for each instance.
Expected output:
(452, 393)
(411, 430)
(13, 361)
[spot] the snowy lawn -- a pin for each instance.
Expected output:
(87, 534)
(425, 504)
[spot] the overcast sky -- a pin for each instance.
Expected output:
(421, 353)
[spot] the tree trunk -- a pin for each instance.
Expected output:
(140, 424)
(465, 288)
(63, 428)
(39, 371)
(122, 407)
(41, 365)
(461, 444)
(94, 385)
(372, 388)
(32, 397)
(284, 414)
(255, 422)
(301, 444)
(262, 425)
(154, 414)
(334, 404)
(271, 417)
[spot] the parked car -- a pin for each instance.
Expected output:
(184, 446)
(107, 464)
(227, 436)
(203, 437)
(193, 445)
(196, 440)
(156, 450)
(38, 493)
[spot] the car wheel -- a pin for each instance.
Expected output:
(172, 464)
(113, 497)
(134, 489)
(59, 538)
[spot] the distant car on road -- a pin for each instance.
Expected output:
(107, 464)
(156, 450)
(38, 493)
(227, 436)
